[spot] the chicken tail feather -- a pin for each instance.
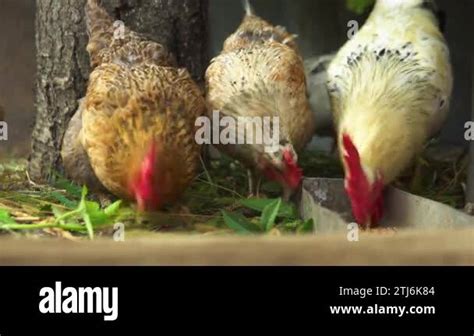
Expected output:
(99, 25)
(248, 8)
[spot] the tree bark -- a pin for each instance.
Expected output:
(63, 64)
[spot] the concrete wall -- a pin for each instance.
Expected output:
(321, 25)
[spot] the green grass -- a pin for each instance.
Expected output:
(34, 210)
(66, 210)
(216, 203)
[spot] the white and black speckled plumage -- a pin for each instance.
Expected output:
(390, 85)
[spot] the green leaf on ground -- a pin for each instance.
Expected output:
(71, 188)
(5, 217)
(63, 200)
(269, 214)
(113, 209)
(307, 227)
(286, 210)
(239, 223)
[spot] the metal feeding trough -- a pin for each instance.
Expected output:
(325, 201)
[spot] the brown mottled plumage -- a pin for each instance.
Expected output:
(261, 74)
(112, 42)
(139, 109)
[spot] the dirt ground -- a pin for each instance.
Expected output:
(452, 248)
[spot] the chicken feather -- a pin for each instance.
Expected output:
(260, 73)
(136, 124)
(390, 88)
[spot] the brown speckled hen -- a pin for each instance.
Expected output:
(134, 131)
(260, 73)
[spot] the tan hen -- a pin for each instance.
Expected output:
(260, 73)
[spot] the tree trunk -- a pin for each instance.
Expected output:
(63, 63)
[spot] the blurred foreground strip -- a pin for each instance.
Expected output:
(403, 248)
